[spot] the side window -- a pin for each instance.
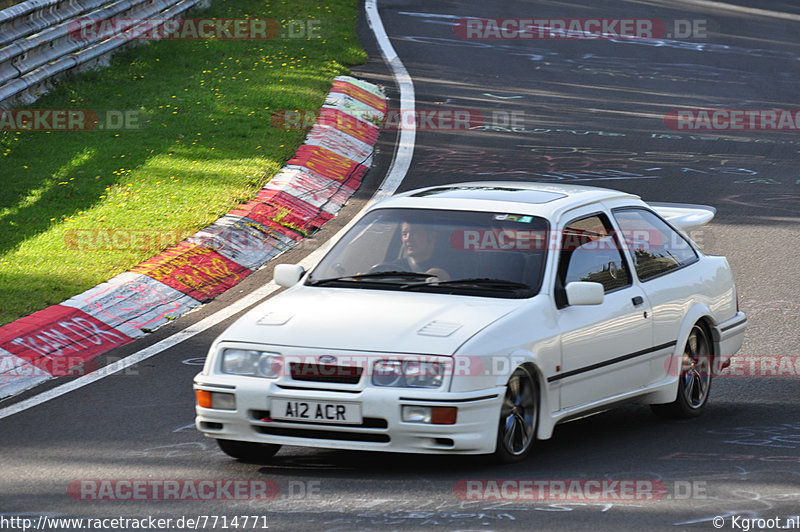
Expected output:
(655, 246)
(590, 252)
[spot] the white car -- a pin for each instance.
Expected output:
(471, 319)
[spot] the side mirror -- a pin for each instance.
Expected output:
(585, 293)
(288, 274)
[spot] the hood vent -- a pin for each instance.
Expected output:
(439, 328)
(275, 317)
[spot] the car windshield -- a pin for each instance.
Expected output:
(492, 254)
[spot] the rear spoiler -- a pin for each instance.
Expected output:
(685, 216)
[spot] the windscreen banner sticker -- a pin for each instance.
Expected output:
(514, 218)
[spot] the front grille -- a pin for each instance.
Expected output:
(313, 372)
(307, 387)
(322, 434)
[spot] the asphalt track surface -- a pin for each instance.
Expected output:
(587, 111)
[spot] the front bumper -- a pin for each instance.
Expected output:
(382, 429)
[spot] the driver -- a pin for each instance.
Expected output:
(419, 246)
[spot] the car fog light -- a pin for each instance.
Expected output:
(216, 400)
(223, 401)
(436, 415)
(417, 414)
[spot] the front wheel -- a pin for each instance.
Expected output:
(518, 418)
(248, 451)
(694, 383)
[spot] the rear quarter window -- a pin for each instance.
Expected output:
(656, 247)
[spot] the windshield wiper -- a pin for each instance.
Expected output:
(371, 275)
(476, 282)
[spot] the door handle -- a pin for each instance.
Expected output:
(638, 300)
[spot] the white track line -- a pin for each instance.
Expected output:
(408, 132)
(397, 172)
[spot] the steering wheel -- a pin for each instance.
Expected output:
(386, 267)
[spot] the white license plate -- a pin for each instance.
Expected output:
(315, 411)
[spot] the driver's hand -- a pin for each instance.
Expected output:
(437, 274)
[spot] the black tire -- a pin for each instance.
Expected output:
(694, 383)
(519, 416)
(248, 451)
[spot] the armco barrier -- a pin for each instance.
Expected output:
(37, 46)
(64, 339)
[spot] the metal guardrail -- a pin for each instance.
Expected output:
(38, 41)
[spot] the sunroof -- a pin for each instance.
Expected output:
(517, 195)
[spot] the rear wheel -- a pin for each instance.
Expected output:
(249, 451)
(694, 383)
(518, 418)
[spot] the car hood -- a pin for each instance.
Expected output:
(368, 320)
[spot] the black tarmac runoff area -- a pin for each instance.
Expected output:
(682, 115)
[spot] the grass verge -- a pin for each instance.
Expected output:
(8, 3)
(203, 143)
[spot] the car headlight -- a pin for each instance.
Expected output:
(251, 362)
(408, 373)
(387, 373)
